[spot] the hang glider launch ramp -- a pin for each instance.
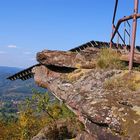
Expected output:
(125, 42)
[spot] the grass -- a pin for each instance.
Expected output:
(130, 81)
(109, 58)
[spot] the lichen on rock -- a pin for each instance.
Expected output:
(106, 101)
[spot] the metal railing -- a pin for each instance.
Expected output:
(132, 38)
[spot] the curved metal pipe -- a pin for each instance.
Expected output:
(122, 20)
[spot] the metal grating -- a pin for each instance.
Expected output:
(24, 74)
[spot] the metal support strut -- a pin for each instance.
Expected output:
(125, 19)
(134, 28)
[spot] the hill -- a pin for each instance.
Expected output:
(14, 90)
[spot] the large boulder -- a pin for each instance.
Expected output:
(83, 59)
(109, 110)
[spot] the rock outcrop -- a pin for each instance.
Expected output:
(82, 59)
(106, 101)
(125, 57)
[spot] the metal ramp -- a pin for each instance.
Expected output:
(24, 74)
(27, 73)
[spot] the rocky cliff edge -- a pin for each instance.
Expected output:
(106, 100)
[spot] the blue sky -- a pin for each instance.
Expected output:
(29, 26)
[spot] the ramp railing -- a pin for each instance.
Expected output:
(132, 36)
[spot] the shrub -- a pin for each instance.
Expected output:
(37, 113)
(109, 58)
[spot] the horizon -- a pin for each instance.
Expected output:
(28, 27)
(2, 66)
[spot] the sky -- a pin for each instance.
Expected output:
(30, 26)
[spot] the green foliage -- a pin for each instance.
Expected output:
(8, 107)
(53, 109)
(109, 58)
(29, 124)
(8, 112)
(38, 112)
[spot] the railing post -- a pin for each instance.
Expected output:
(134, 28)
(124, 37)
(112, 35)
(114, 15)
(118, 41)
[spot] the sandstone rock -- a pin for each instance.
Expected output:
(82, 59)
(108, 114)
(61, 130)
(125, 57)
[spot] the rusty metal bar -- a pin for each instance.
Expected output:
(122, 20)
(115, 10)
(113, 20)
(124, 36)
(118, 41)
(134, 28)
(112, 35)
(121, 37)
(127, 33)
(128, 23)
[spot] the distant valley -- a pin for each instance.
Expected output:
(15, 90)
